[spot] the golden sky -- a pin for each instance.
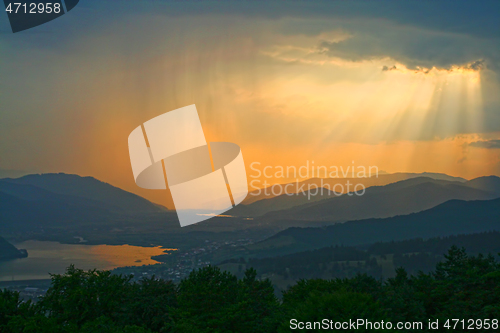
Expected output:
(311, 84)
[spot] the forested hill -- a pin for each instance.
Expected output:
(379, 260)
(451, 218)
(9, 251)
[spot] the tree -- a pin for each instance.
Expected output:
(337, 306)
(151, 303)
(210, 300)
(465, 286)
(80, 296)
(402, 299)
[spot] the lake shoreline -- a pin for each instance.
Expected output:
(48, 257)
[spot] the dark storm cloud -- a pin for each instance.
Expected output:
(473, 66)
(490, 144)
(386, 69)
(416, 48)
(476, 65)
(479, 19)
(415, 33)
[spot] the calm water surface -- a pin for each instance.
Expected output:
(52, 257)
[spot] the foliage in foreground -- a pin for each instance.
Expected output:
(210, 300)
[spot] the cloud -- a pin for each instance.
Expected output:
(489, 144)
(385, 68)
(476, 65)
(414, 47)
(473, 66)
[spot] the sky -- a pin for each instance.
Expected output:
(406, 86)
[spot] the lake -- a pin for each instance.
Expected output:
(52, 257)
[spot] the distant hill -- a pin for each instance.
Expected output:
(63, 208)
(336, 184)
(281, 202)
(35, 202)
(9, 251)
(490, 183)
(76, 186)
(32, 193)
(450, 218)
(400, 198)
(378, 260)
(27, 216)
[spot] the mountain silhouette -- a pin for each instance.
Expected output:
(88, 188)
(34, 202)
(9, 251)
(334, 184)
(399, 198)
(489, 183)
(281, 202)
(450, 218)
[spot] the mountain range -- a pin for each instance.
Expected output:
(450, 218)
(403, 197)
(37, 201)
(61, 207)
(87, 190)
(340, 184)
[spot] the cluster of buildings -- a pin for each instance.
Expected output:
(27, 292)
(180, 264)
